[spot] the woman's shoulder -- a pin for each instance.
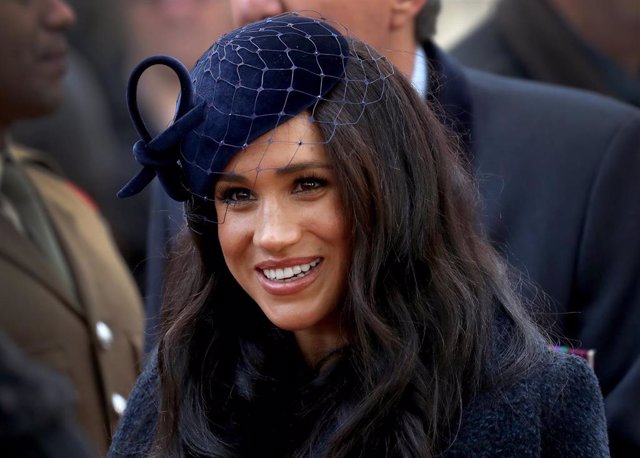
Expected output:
(553, 409)
(560, 372)
(572, 407)
(137, 426)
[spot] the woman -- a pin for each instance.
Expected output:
(332, 296)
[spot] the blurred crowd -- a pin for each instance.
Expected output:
(91, 135)
(98, 341)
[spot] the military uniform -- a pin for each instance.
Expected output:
(89, 329)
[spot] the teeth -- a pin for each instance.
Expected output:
(288, 273)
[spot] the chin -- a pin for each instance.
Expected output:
(300, 322)
(291, 324)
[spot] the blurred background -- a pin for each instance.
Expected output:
(458, 17)
(94, 135)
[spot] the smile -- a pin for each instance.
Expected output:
(290, 273)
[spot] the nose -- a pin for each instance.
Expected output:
(276, 228)
(246, 11)
(59, 15)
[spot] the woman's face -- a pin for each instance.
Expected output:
(282, 230)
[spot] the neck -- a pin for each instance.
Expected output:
(609, 27)
(318, 343)
(402, 50)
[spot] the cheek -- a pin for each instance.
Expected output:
(231, 239)
(340, 234)
(340, 238)
(246, 11)
(238, 8)
(343, 242)
(330, 224)
(215, 22)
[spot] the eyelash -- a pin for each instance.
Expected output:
(318, 183)
(229, 196)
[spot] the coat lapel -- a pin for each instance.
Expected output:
(21, 252)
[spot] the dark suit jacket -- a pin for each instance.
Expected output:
(528, 39)
(64, 332)
(559, 176)
(558, 170)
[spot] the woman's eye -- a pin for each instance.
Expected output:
(309, 184)
(236, 196)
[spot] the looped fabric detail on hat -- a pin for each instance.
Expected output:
(160, 156)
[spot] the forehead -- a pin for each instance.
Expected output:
(297, 140)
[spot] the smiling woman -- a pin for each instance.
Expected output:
(332, 296)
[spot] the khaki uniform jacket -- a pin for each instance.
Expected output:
(95, 339)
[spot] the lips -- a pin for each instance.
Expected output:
(55, 58)
(56, 46)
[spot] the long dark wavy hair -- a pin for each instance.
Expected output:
(429, 312)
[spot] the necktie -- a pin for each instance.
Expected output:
(22, 202)
(6, 207)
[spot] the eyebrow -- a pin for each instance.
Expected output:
(286, 170)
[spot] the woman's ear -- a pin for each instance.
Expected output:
(405, 11)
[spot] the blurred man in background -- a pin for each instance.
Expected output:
(587, 44)
(85, 133)
(67, 299)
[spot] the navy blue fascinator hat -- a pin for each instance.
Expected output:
(248, 83)
(252, 80)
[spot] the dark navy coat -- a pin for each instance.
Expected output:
(555, 410)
